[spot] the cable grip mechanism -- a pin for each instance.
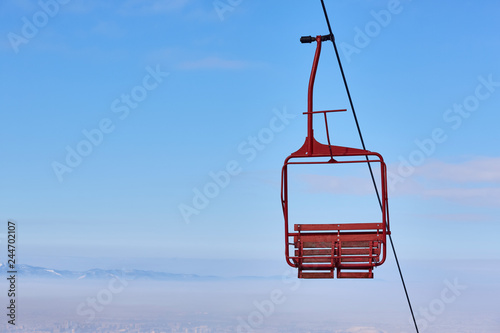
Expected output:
(310, 39)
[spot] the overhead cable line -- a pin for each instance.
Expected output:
(332, 38)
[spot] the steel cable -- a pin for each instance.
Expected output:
(332, 38)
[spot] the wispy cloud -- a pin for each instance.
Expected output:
(214, 63)
(108, 29)
(81, 7)
(148, 7)
(184, 58)
(458, 217)
(364, 330)
(467, 196)
(25, 5)
(335, 184)
(472, 182)
(480, 170)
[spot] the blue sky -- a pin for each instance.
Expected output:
(175, 93)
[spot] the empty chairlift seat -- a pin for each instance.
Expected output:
(352, 249)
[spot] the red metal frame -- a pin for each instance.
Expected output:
(353, 249)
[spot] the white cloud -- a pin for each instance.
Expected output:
(84, 7)
(339, 185)
(467, 196)
(109, 29)
(25, 5)
(214, 63)
(147, 7)
(182, 59)
(473, 182)
(482, 169)
(458, 217)
(363, 330)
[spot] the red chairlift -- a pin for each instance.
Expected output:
(317, 250)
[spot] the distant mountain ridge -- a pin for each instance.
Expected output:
(28, 271)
